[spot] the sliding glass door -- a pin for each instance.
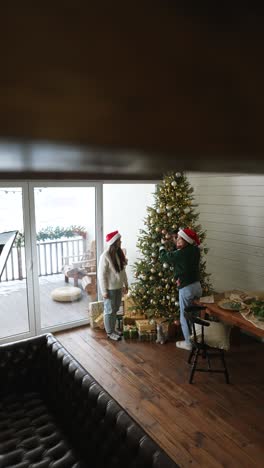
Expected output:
(65, 252)
(16, 292)
(50, 275)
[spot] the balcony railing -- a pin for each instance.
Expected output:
(51, 257)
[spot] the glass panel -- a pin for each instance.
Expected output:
(13, 282)
(66, 251)
(124, 209)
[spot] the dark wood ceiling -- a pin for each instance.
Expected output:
(130, 89)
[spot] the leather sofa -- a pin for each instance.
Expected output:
(54, 414)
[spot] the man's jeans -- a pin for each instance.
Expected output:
(186, 298)
(111, 307)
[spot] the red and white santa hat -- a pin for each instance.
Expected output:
(112, 237)
(189, 236)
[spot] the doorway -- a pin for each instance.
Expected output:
(56, 251)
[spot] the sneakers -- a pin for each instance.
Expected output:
(118, 332)
(114, 337)
(183, 345)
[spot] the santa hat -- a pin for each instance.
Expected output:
(112, 237)
(189, 236)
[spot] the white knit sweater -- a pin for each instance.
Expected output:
(107, 276)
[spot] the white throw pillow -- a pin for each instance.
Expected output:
(66, 294)
(217, 335)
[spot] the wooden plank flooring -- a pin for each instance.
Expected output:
(207, 424)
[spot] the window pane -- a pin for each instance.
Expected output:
(66, 251)
(124, 209)
(14, 316)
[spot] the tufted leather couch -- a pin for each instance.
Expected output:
(54, 414)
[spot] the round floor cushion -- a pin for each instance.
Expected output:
(66, 294)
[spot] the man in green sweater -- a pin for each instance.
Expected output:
(185, 261)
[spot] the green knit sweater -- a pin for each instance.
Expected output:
(185, 263)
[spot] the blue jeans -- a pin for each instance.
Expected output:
(186, 298)
(111, 307)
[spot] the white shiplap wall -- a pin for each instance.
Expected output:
(231, 211)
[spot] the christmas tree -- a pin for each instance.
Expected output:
(155, 291)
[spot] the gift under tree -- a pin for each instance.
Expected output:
(155, 291)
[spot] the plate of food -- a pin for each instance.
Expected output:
(233, 306)
(257, 307)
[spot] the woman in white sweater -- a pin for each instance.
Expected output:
(112, 279)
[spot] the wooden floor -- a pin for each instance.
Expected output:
(207, 424)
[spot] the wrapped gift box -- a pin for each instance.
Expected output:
(145, 326)
(99, 321)
(131, 318)
(128, 305)
(147, 336)
(130, 332)
(96, 311)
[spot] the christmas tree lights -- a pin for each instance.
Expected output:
(155, 291)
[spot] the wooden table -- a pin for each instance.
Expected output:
(232, 318)
(75, 273)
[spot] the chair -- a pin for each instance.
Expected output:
(80, 265)
(200, 346)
